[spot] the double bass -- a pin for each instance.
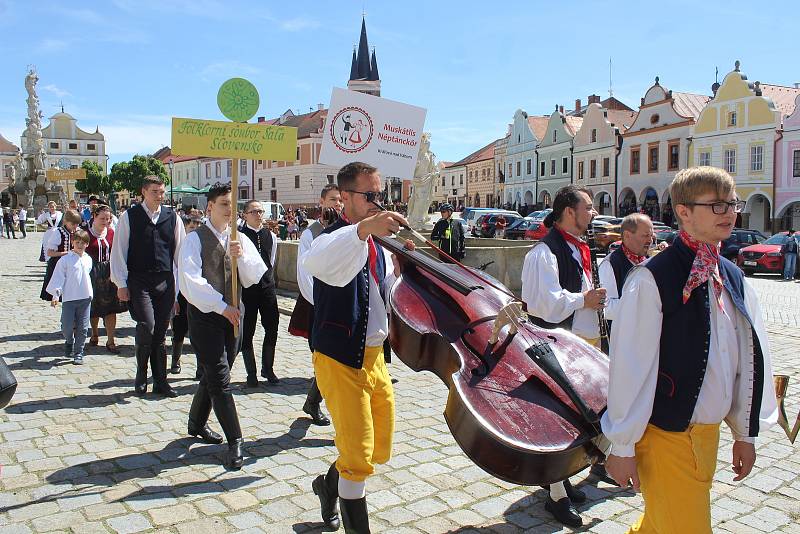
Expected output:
(524, 403)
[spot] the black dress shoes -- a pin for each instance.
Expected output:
(564, 512)
(235, 456)
(205, 434)
(252, 381)
(599, 470)
(317, 417)
(165, 390)
(270, 375)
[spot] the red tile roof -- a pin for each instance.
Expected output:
(306, 124)
(538, 126)
(689, 104)
(783, 97)
(7, 147)
(481, 154)
(621, 119)
(573, 124)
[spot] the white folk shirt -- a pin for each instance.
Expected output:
(72, 278)
(634, 354)
(609, 282)
(122, 236)
(304, 280)
(196, 289)
(52, 239)
(545, 298)
(336, 258)
(23, 215)
(273, 250)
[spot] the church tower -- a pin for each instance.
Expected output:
(364, 68)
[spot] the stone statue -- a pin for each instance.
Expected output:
(425, 175)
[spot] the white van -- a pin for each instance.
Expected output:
(273, 210)
(472, 216)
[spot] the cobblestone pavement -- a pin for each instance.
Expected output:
(81, 453)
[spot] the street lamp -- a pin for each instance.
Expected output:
(171, 181)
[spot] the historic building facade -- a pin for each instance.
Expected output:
(500, 148)
(596, 149)
(8, 154)
(787, 172)
(737, 131)
(554, 154)
(654, 148)
(452, 185)
(521, 167)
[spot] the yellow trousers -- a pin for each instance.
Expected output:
(361, 404)
(675, 472)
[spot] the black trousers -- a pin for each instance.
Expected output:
(259, 300)
(23, 229)
(180, 321)
(152, 300)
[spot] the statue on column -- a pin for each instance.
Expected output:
(426, 173)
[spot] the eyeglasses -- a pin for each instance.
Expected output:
(721, 208)
(259, 212)
(372, 196)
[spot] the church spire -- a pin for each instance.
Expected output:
(363, 53)
(373, 68)
(363, 67)
(354, 66)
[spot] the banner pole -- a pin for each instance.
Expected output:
(234, 235)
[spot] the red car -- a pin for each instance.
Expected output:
(536, 231)
(765, 257)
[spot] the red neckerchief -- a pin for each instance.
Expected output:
(704, 267)
(373, 252)
(633, 258)
(583, 248)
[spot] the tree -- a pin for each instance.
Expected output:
(130, 174)
(97, 182)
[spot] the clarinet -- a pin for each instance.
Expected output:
(601, 314)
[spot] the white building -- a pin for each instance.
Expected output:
(452, 186)
(555, 156)
(8, 154)
(520, 166)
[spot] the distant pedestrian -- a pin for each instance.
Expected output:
(8, 222)
(71, 284)
(449, 235)
(22, 214)
(789, 250)
(499, 227)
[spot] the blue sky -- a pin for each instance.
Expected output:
(130, 65)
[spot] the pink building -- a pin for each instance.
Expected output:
(787, 171)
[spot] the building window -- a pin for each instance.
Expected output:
(273, 196)
(243, 167)
(260, 185)
(564, 165)
(519, 169)
(552, 167)
(298, 154)
(54, 145)
(273, 183)
(796, 164)
(73, 146)
(229, 167)
(208, 170)
(218, 168)
(461, 179)
(580, 170)
(555, 136)
(594, 135)
(652, 159)
(510, 170)
(634, 161)
(654, 118)
(452, 181)
(704, 159)
(443, 179)
(528, 167)
(593, 168)
(330, 178)
(674, 157)
(541, 169)
(260, 163)
(297, 182)
(731, 118)
(606, 166)
(91, 146)
(730, 160)
(756, 158)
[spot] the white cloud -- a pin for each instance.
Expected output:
(298, 24)
(60, 93)
(52, 45)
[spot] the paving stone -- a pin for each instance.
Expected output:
(128, 524)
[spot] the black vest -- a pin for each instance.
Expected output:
(569, 274)
(686, 335)
(621, 266)
(264, 240)
(151, 247)
(341, 313)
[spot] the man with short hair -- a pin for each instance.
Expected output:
(143, 261)
(789, 250)
(449, 234)
(694, 353)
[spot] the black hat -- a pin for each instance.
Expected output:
(446, 207)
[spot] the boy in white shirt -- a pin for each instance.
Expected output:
(72, 284)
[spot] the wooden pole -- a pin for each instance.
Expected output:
(234, 235)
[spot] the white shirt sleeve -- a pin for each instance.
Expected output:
(336, 258)
(119, 253)
(52, 240)
(541, 290)
(180, 235)
(609, 282)
(56, 284)
(634, 356)
(194, 287)
(274, 249)
(250, 265)
(305, 282)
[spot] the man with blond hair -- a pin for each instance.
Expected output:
(694, 353)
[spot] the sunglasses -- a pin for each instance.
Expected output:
(371, 196)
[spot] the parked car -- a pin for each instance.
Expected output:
(764, 257)
(484, 226)
(667, 236)
(604, 236)
(739, 239)
(526, 228)
(540, 215)
(471, 215)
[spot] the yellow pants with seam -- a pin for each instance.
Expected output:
(675, 472)
(361, 404)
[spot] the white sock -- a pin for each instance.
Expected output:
(351, 490)
(557, 491)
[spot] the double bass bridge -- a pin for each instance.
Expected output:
(509, 315)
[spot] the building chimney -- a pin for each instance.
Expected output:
(594, 99)
(262, 119)
(561, 109)
(577, 104)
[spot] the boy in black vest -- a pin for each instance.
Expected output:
(330, 202)
(260, 298)
(694, 353)
(637, 235)
(204, 270)
(558, 292)
(146, 242)
(352, 274)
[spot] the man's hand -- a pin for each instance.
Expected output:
(594, 299)
(54, 302)
(232, 315)
(235, 249)
(123, 294)
(381, 224)
(744, 457)
(623, 470)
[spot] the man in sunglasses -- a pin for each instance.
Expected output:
(352, 276)
(694, 353)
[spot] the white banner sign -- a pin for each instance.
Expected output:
(381, 132)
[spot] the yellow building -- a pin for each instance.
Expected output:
(480, 175)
